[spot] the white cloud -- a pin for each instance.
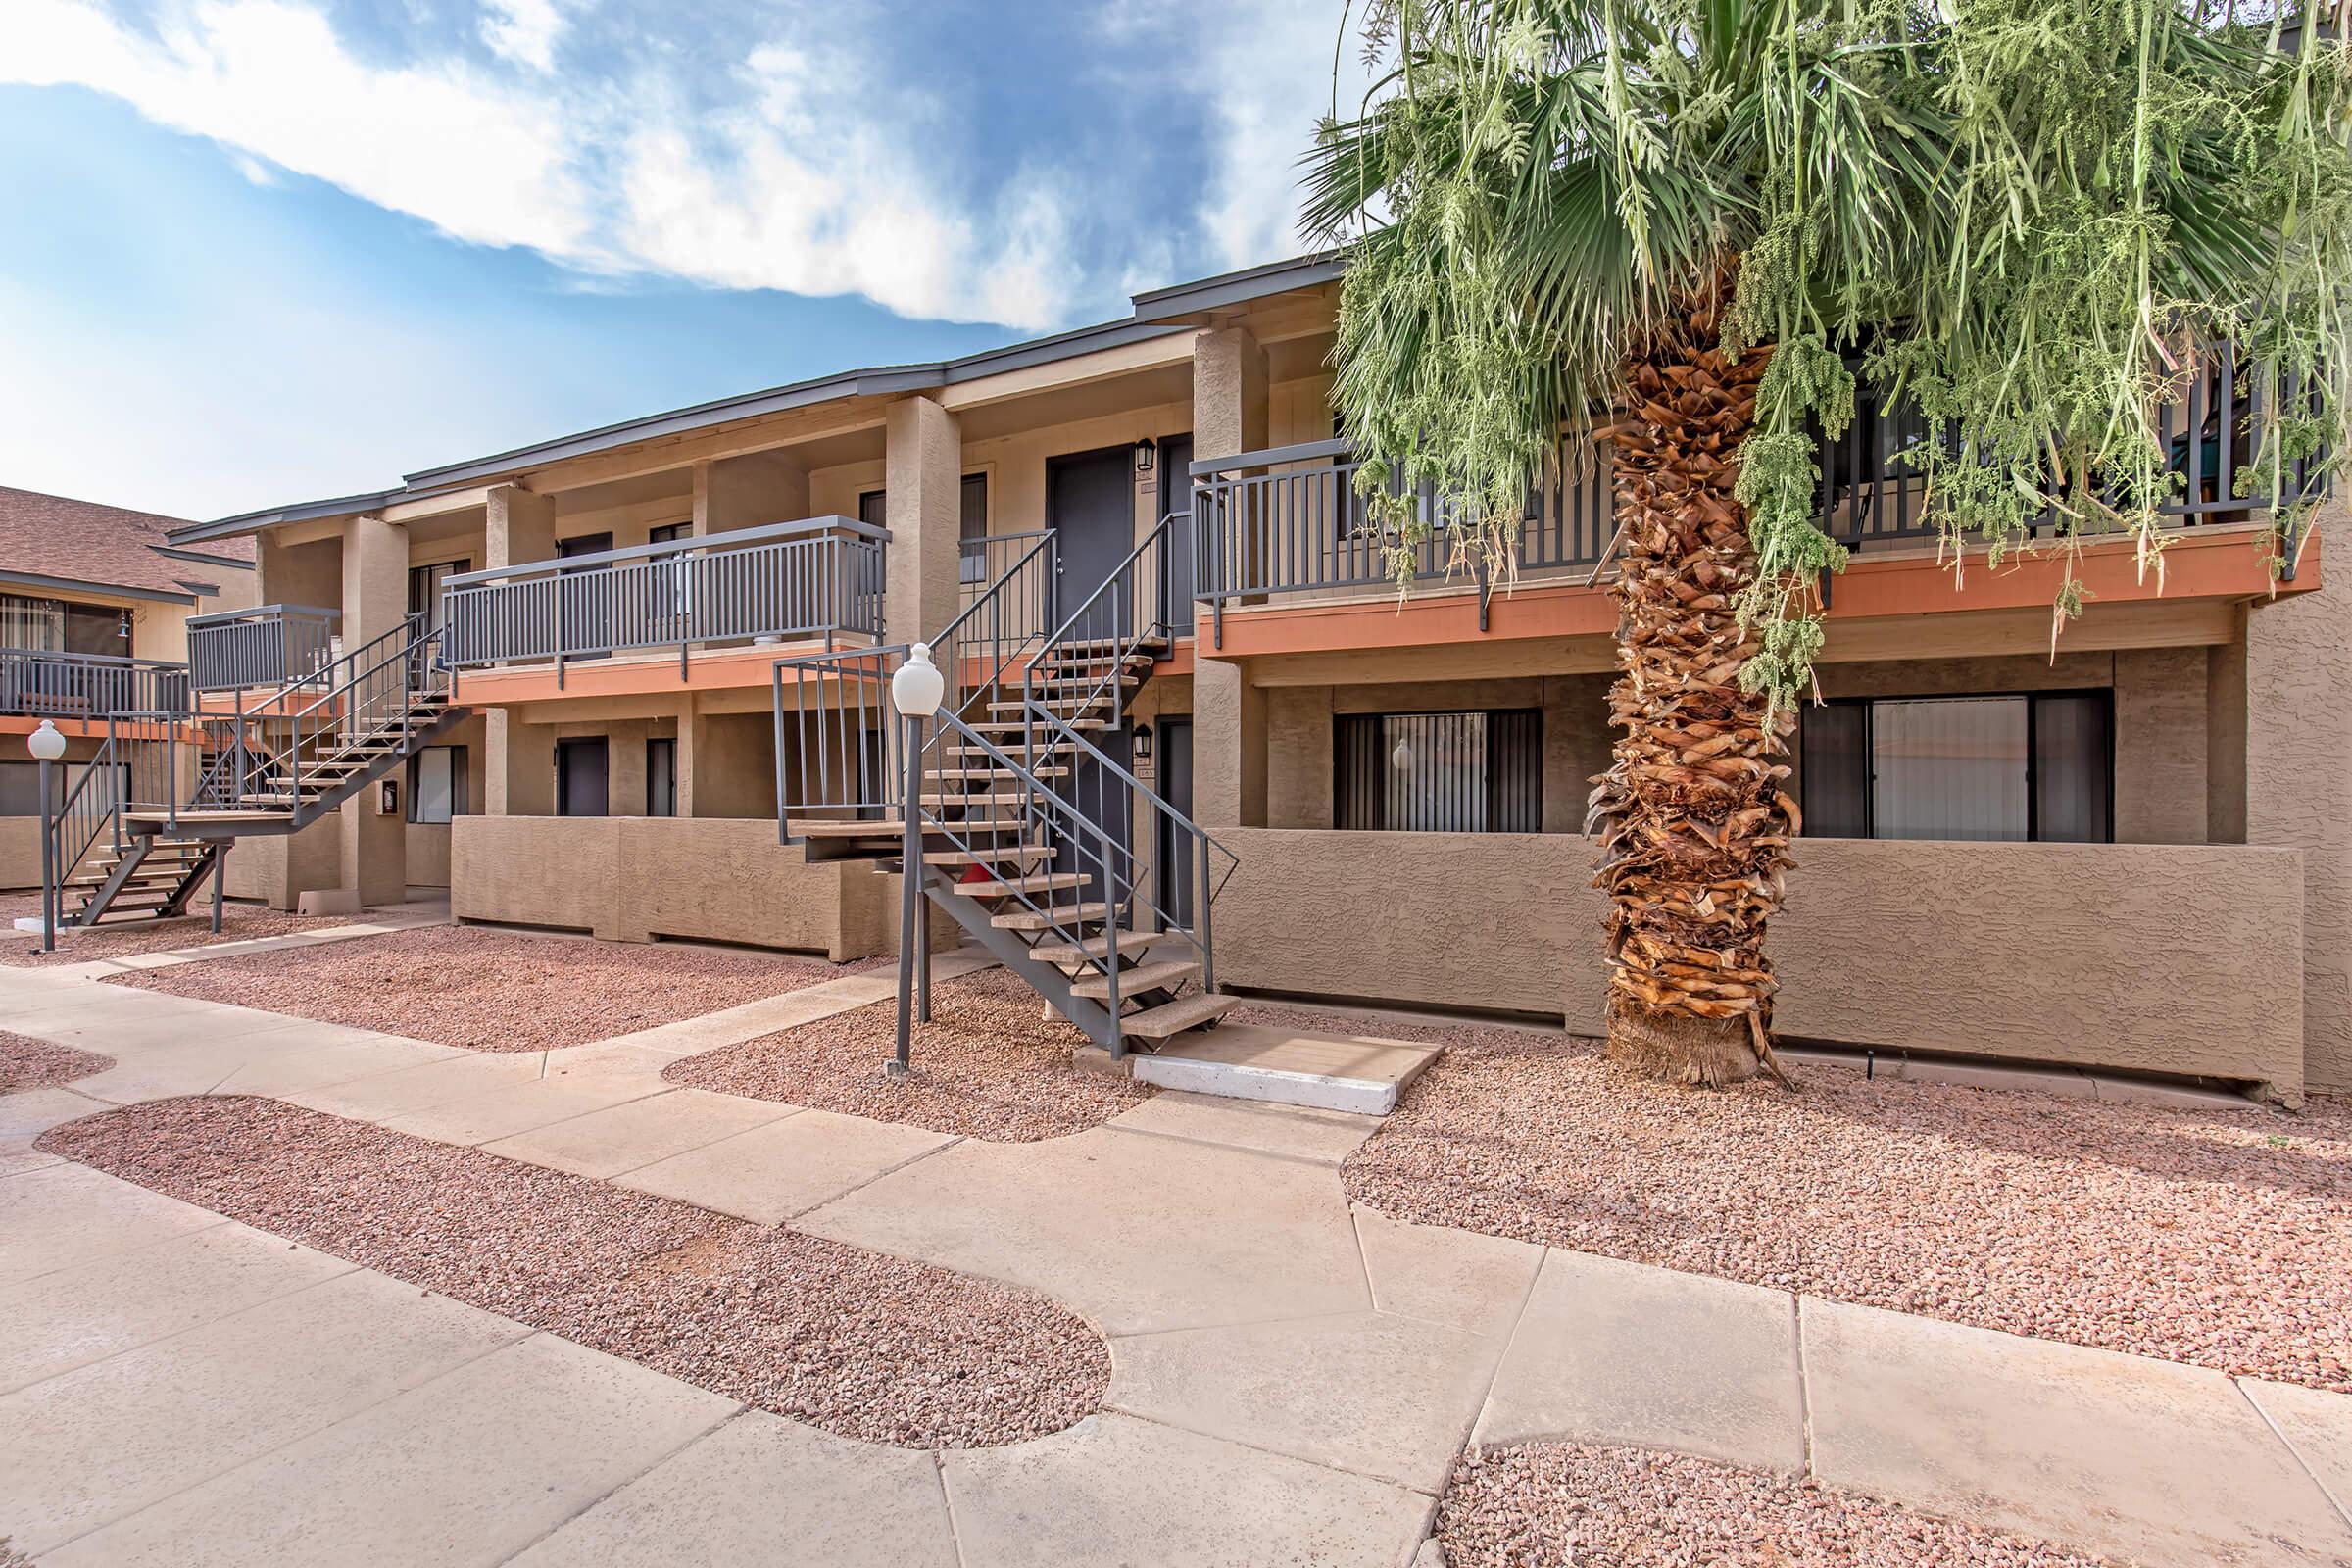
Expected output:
(524, 32)
(784, 190)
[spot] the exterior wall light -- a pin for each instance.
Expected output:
(917, 687)
(1147, 458)
(1143, 743)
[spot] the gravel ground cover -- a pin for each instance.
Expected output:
(27, 1063)
(239, 922)
(491, 990)
(2217, 1236)
(1543, 1504)
(988, 1065)
(860, 1343)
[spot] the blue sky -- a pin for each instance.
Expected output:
(270, 250)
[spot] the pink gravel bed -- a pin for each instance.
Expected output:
(239, 922)
(27, 1063)
(860, 1343)
(2217, 1236)
(1543, 1504)
(491, 990)
(988, 1065)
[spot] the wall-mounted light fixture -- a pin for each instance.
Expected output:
(1143, 743)
(1147, 458)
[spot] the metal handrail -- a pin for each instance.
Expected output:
(822, 575)
(1100, 615)
(265, 646)
(49, 682)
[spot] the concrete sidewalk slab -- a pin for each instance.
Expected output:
(518, 1107)
(1324, 1137)
(1393, 1397)
(380, 1097)
(81, 1449)
(1460, 1278)
(339, 1061)
(772, 1173)
(2165, 1464)
(64, 1215)
(1617, 1352)
(467, 1468)
(29, 1112)
(640, 1132)
(1116, 1489)
(1140, 1233)
(2318, 1426)
(73, 1316)
(762, 1491)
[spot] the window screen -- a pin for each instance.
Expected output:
(1446, 773)
(1969, 768)
(437, 784)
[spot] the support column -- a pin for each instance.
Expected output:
(520, 778)
(520, 528)
(375, 601)
(924, 475)
(1229, 714)
(2299, 789)
(747, 492)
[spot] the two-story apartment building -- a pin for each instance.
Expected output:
(2134, 853)
(94, 608)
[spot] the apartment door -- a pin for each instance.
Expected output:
(1090, 503)
(583, 777)
(587, 605)
(1176, 500)
(1177, 853)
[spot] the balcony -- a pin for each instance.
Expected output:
(41, 683)
(264, 648)
(821, 578)
(1289, 521)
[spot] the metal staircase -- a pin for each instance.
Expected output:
(135, 836)
(1026, 821)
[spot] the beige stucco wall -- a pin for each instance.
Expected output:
(278, 868)
(639, 878)
(2116, 956)
(19, 851)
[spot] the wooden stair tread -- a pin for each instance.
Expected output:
(1013, 726)
(1131, 943)
(1172, 1018)
(1102, 645)
(1037, 882)
(828, 828)
(999, 771)
(1060, 915)
(1143, 977)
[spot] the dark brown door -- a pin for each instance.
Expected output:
(583, 777)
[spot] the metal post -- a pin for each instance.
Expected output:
(910, 874)
(220, 882)
(48, 862)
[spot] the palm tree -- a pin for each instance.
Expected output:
(1681, 224)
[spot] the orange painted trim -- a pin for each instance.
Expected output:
(1177, 660)
(628, 675)
(93, 730)
(2220, 565)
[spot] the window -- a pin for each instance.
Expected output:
(437, 784)
(2035, 767)
(425, 585)
(1461, 772)
(668, 533)
(661, 777)
(36, 624)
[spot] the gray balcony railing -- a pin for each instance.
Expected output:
(817, 577)
(46, 684)
(1289, 520)
(268, 646)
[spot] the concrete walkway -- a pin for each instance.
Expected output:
(1291, 1379)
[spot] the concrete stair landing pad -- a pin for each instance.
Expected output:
(1360, 1073)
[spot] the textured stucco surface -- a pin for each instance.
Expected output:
(636, 878)
(924, 470)
(19, 851)
(2299, 787)
(280, 868)
(2155, 959)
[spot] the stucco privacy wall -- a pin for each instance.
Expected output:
(636, 878)
(2169, 960)
(19, 851)
(279, 869)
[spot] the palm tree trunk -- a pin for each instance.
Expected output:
(1693, 825)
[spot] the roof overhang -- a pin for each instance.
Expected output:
(117, 590)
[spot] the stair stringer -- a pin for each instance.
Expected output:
(1091, 1018)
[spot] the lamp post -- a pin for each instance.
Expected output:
(47, 744)
(917, 688)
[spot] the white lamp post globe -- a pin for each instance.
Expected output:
(47, 743)
(918, 688)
